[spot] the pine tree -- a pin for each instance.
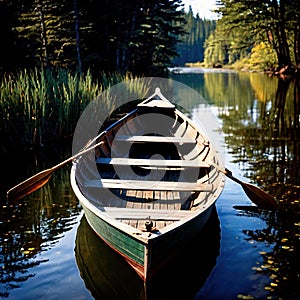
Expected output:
(47, 30)
(109, 35)
(159, 26)
(191, 45)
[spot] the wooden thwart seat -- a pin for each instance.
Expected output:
(146, 185)
(144, 214)
(156, 163)
(154, 139)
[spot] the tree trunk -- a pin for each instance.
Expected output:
(283, 53)
(76, 16)
(297, 44)
(296, 129)
(44, 56)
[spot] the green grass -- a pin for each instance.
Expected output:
(39, 106)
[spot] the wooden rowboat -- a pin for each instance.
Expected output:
(150, 186)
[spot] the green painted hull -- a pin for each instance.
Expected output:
(147, 257)
(132, 249)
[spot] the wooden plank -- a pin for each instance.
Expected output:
(162, 223)
(139, 194)
(170, 202)
(146, 214)
(146, 185)
(157, 195)
(154, 139)
(148, 195)
(155, 163)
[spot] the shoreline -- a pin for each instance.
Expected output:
(199, 70)
(284, 73)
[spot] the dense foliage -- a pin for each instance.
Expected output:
(135, 36)
(272, 24)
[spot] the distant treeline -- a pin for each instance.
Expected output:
(192, 44)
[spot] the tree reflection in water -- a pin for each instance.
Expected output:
(33, 225)
(265, 144)
(108, 276)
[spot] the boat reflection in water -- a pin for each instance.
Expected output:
(107, 275)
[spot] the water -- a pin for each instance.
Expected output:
(49, 252)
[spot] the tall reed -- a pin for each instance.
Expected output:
(37, 106)
(40, 105)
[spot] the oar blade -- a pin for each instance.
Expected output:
(29, 185)
(259, 197)
(35, 182)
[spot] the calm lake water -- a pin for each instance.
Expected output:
(47, 250)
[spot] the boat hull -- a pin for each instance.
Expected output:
(150, 186)
(131, 249)
(107, 275)
(146, 258)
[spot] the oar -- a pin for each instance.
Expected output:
(255, 194)
(35, 182)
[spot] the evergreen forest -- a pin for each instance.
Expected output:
(133, 36)
(191, 46)
(146, 37)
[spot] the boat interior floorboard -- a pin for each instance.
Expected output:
(139, 171)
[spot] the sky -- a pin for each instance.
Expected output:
(202, 7)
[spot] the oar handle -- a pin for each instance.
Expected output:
(227, 172)
(77, 155)
(221, 169)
